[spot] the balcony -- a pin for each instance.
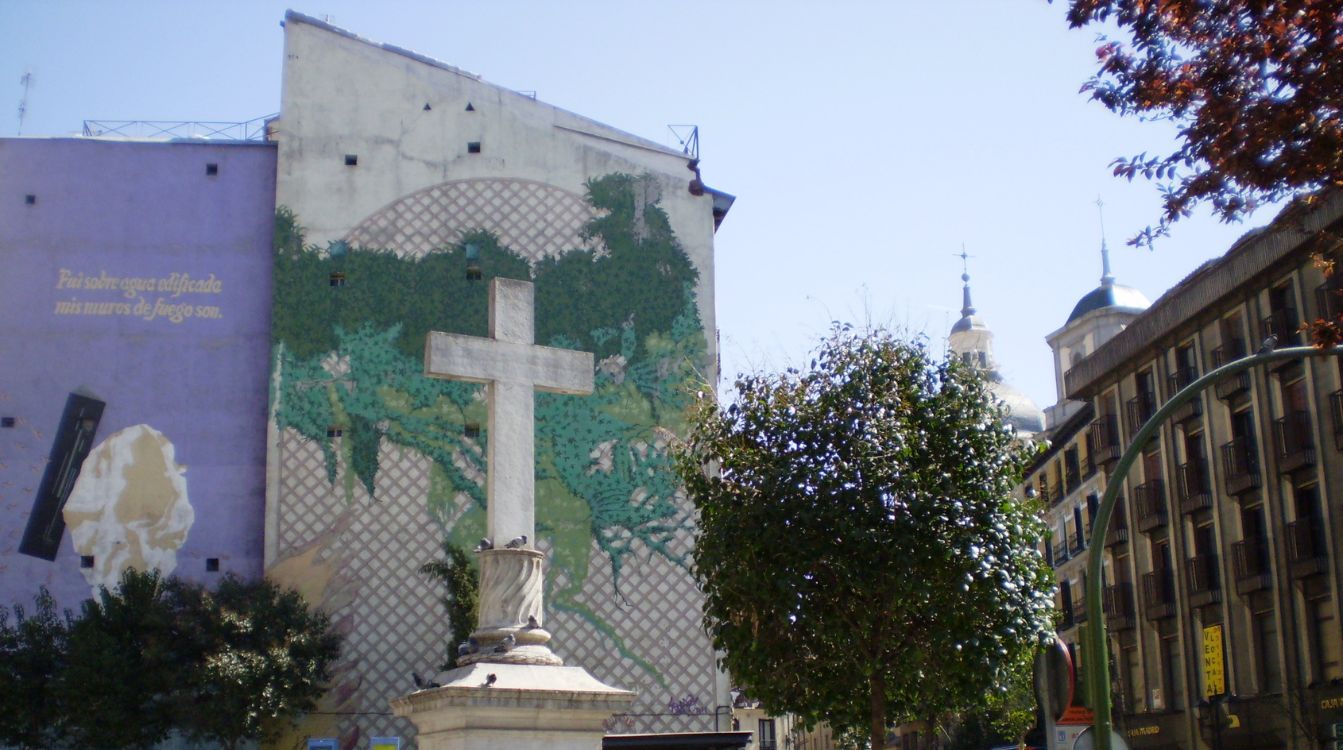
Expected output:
(1232, 350)
(1118, 531)
(1077, 545)
(1140, 409)
(1194, 489)
(1117, 601)
(1176, 382)
(1250, 565)
(1294, 444)
(1306, 554)
(1080, 608)
(1061, 552)
(1336, 416)
(1283, 323)
(1149, 505)
(1329, 299)
(1240, 465)
(1158, 594)
(1103, 439)
(1073, 478)
(1205, 586)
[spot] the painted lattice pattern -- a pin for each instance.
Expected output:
(393, 619)
(534, 219)
(660, 618)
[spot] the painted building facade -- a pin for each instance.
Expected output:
(1222, 563)
(134, 311)
(403, 186)
(219, 349)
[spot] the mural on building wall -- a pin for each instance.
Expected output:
(129, 506)
(349, 327)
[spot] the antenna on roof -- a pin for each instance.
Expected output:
(1107, 278)
(687, 137)
(27, 82)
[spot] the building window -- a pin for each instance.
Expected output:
(765, 735)
(1322, 624)
(1268, 663)
(1172, 672)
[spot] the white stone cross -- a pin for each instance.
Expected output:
(513, 367)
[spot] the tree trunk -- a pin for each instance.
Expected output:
(878, 708)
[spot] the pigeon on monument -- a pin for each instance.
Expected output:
(421, 683)
(490, 678)
(1269, 344)
(484, 545)
(532, 623)
(464, 648)
(506, 644)
(517, 542)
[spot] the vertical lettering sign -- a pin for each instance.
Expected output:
(1214, 674)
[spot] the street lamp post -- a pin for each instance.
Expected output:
(1098, 675)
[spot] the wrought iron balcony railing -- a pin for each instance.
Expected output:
(1103, 439)
(1118, 531)
(1176, 381)
(1194, 489)
(1283, 323)
(1231, 350)
(1293, 441)
(1140, 409)
(1149, 505)
(1158, 594)
(1306, 554)
(1250, 565)
(1240, 465)
(1117, 600)
(1205, 586)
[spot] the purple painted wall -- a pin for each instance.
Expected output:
(189, 363)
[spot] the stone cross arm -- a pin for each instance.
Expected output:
(481, 360)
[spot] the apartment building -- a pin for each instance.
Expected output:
(1222, 561)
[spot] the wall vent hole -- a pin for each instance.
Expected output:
(86, 561)
(7, 422)
(29, 199)
(470, 108)
(211, 565)
(351, 160)
(473, 147)
(211, 169)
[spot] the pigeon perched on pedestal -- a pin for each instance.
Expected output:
(517, 542)
(484, 545)
(532, 622)
(464, 649)
(506, 644)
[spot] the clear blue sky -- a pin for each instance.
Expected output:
(865, 141)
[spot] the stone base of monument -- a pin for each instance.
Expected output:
(490, 706)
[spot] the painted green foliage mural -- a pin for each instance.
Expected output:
(349, 329)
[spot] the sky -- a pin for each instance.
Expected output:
(867, 143)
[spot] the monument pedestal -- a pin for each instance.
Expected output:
(487, 706)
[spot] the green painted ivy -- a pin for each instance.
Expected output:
(350, 356)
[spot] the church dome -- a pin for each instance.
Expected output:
(1023, 414)
(971, 342)
(1122, 298)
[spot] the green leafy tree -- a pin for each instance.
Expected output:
(461, 586)
(123, 665)
(1255, 89)
(863, 556)
(32, 655)
(260, 658)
